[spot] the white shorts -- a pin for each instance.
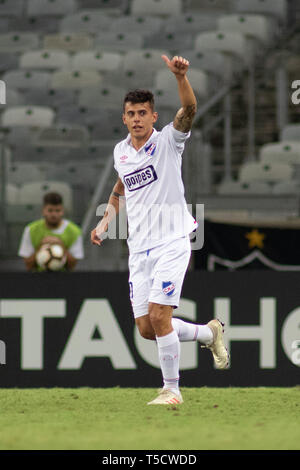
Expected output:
(157, 275)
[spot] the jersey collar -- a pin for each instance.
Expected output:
(128, 140)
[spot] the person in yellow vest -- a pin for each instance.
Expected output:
(52, 228)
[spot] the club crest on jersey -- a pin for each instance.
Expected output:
(150, 149)
(168, 288)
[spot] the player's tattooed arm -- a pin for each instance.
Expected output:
(184, 118)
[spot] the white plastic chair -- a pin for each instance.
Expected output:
(108, 96)
(156, 7)
(50, 7)
(231, 43)
(111, 7)
(18, 41)
(268, 172)
(45, 59)
(172, 41)
(254, 26)
(214, 63)
(27, 79)
(62, 136)
(88, 20)
(75, 79)
(197, 78)
(191, 22)
(277, 8)
(33, 193)
(11, 8)
(280, 152)
(32, 116)
(119, 41)
(12, 194)
(97, 60)
(213, 6)
(287, 188)
(141, 23)
(70, 42)
(23, 172)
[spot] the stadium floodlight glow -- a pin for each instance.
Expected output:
(2, 92)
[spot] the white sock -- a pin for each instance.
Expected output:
(169, 353)
(191, 332)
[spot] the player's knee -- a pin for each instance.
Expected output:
(147, 333)
(156, 314)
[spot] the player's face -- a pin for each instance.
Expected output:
(53, 214)
(139, 119)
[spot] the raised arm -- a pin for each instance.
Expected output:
(185, 115)
(115, 203)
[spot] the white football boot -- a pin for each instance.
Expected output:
(217, 347)
(167, 397)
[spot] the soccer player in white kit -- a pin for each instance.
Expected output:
(148, 163)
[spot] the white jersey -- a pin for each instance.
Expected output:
(156, 208)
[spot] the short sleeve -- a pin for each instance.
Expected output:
(76, 249)
(26, 248)
(177, 139)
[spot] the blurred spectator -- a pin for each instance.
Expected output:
(53, 228)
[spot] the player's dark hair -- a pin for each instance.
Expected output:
(54, 199)
(139, 96)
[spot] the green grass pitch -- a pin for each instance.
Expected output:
(119, 419)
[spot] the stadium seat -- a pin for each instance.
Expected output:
(253, 26)
(190, 22)
(20, 135)
(68, 42)
(108, 96)
(34, 116)
(14, 98)
(112, 7)
(118, 41)
(268, 172)
(32, 193)
(18, 41)
(12, 194)
(39, 155)
(82, 115)
(156, 7)
(280, 152)
(8, 62)
(27, 79)
(139, 67)
(277, 8)
(61, 136)
(290, 132)
(45, 59)
(35, 24)
(74, 173)
(12, 8)
(197, 78)
(230, 43)
(239, 188)
(108, 130)
(23, 172)
(51, 7)
(171, 41)
(49, 97)
(142, 24)
(5, 25)
(75, 79)
(213, 6)
(214, 63)
(97, 60)
(86, 21)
